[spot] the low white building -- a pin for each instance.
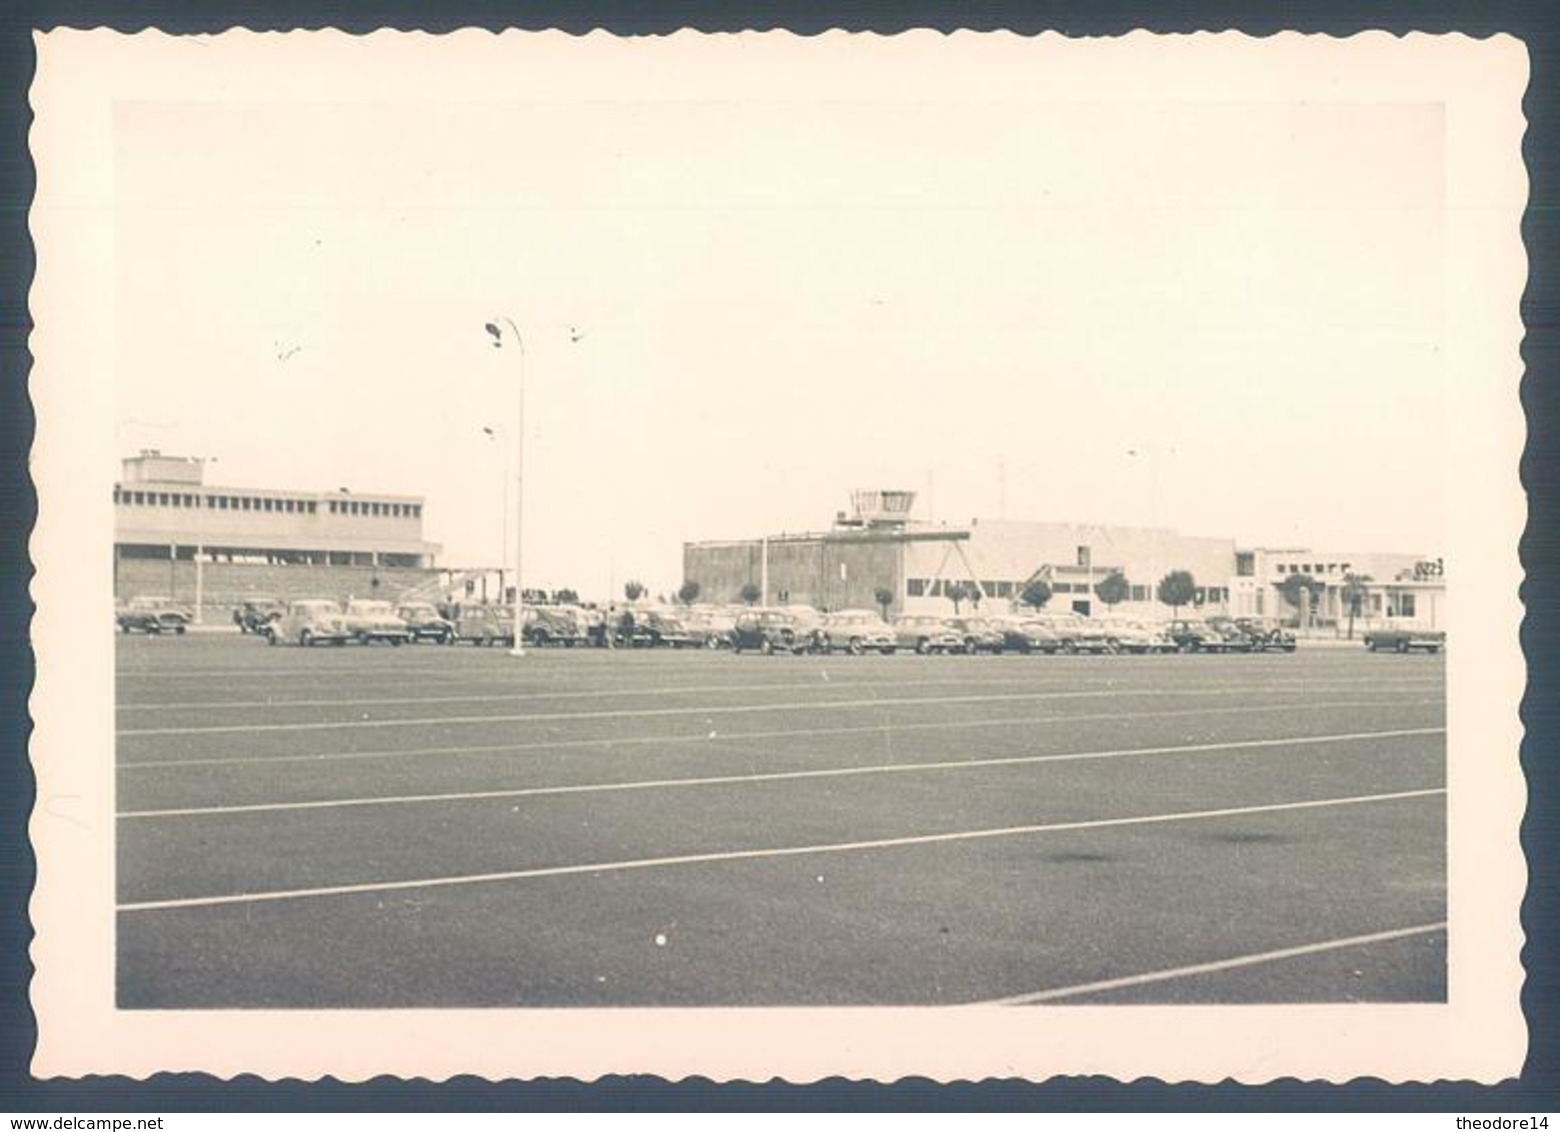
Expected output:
(1393, 588)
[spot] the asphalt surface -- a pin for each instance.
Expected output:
(453, 826)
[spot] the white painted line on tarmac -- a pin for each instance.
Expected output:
(1216, 966)
(758, 854)
(778, 776)
(573, 694)
(983, 680)
(643, 713)
(703, 738)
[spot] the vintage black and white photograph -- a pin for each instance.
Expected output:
(610, 534)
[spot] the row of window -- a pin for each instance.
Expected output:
(128, 498)
(933, 587)
(1288, 568)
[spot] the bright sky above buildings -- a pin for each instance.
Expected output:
(1016, 295)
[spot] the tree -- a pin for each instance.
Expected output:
(1113, 589)
(885, 598)
(566, 597)
(1036, 594)
(689, 593)
(633, 590)
(957, 592)
(1297, 589)
(751, 593)
(1177, 588)
(1354, 590)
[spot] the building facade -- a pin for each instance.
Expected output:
(877, 547)
(1372, 587)
(178, 536)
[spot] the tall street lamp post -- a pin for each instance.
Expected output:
(496, 330)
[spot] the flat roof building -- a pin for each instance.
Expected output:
(179, 536)
(163, 507)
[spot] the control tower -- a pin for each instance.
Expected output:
(878, 510)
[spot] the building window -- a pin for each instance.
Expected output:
(915, 587)
(1083, 556)
(1245, 564)
(417, 510)
(1405, 605)
(1004, 589)
(1199, 595)
(309, 506)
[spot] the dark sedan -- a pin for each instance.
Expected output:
(152, 615)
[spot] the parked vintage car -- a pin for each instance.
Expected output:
(857, 631)
(927, 633)
(554, 625)
(774, 630)
(666, 627)
(254, 613)
(1028, 635)
(314, 621)
(981, 634)
(1077, 634)
(481, 625)
(630, 629)
(709, 625)
(369, 620)
(1140, 637)
(1266, 634)
(1404, 639)
(1192, 635)
(424, 623)
(153, 615)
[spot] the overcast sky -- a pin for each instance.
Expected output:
(736, 311)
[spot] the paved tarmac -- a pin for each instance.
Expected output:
(453, 826)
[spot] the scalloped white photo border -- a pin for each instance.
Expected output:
(1478, 1034)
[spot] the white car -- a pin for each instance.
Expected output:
(857, 631)
(312, 622)
(369, 621)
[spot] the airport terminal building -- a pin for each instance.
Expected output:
(878, 546)
(208, 545)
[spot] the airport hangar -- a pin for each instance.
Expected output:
(877, 545)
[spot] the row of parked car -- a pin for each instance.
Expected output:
(790, 629)
(366, 621)
(783, 629)
(803, 630)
